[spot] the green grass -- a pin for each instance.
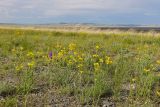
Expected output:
(84, 67)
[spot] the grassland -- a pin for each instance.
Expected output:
(69, 69)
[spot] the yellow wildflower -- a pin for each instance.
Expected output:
(133, 79)
(146, 70)
(72, 46)
(60, 55)
(108, 60)
(70, 62)
(71, 56)
(97, 47)
(75, 53)
(95, 56)
(81, 72)
(31, 64)
(80, 66)
(17, 68)
(101, 60)
(63, 51)
(80, 58)
(96, 66)
(30, 54)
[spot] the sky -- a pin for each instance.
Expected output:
(80, 11)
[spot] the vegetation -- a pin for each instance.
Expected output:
(46, 68)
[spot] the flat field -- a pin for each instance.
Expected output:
(79, 69)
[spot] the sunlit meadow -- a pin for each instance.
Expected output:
(67, 69)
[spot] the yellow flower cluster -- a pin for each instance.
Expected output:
(97, 47)
(95, 56)
(80, 58)
(96, 66)
(108, 60)
(60, 55)
(101, 60)
(31, 64)
(72, 46)
(30, 54)
(70, 62)
(76, 59)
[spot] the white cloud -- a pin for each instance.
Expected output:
(60, 7)
(53, 8)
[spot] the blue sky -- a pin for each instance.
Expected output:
(80, 11)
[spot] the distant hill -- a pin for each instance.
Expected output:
(78, 26)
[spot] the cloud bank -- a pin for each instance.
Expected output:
(12, 9)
